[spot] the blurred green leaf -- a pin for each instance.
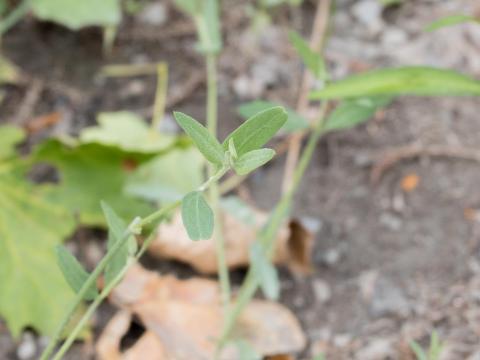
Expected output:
(313, 61)
(419, 352)
(436, 347)
(422, 81)
(197, 216)
(73, 272)
(116, 231)
(10, 136)
(352, 112)
(257, 130)
(245, 351)
(76, 14)
(238, 209)
(252, 160)
(205, 13)
(167, 178)
(294, 121)
(90, 172)
(128, 132)
(30, 228)
(9, 73)
(205, 142)
(264, 271)
(450, 21)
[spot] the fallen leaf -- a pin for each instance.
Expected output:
(410, 182)
(293, 244)
(184, 317)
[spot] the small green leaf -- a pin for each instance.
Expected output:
(264, 271)
(116, 231)
(294, 121)
(197, 216)
(414, 80)
(257, 130)
(73, 272)
(419, 352)
(450, 21)
(205, 142)
(352, 112)
(252, 160)
(311, 59)
(435, 348)
(232, 149)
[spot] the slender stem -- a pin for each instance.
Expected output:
(81, 294)
(135, 227)
(14, 16)
(214, 188)
(160, 96)
(267, 236)
(88, 314)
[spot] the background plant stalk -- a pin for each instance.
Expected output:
(214, 192)
(267, 235)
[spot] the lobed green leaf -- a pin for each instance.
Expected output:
(205, 142)
(76, 14)
(252, 160)
(415, 80)
(197, 216)
(73, 272)
(257, 130)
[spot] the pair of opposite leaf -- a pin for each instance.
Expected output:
(241, 151)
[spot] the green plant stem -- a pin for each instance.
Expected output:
(134, 228)
(267, 235)
(218, 237)
(14, 16)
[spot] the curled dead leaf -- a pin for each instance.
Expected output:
(293, 245)
(184, 317)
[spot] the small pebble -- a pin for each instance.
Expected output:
(27, 348)
(322, 290)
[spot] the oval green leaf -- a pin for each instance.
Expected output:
(205, 142)
(73, 272)
(252, 160)
(312, 60)
(257, 130)
(197, 216)
(415, 80)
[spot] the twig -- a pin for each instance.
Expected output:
(316, 43)
(394, 156)
(25, 110)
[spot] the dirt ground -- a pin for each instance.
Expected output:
(391, 263)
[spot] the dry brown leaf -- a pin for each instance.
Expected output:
(184, 317)
(293, 244)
